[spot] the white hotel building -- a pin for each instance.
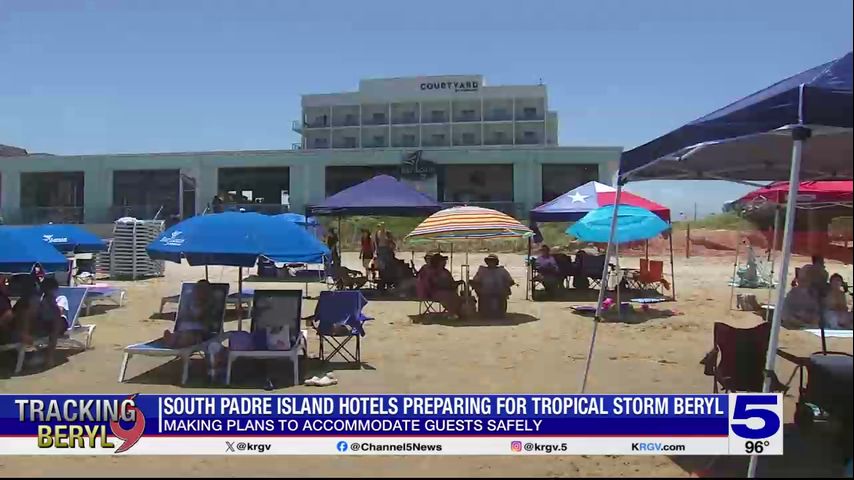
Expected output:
(477, 144)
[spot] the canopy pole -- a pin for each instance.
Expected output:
(799, 136)
(602, 285)
(734, 270)
(619, 280)
(772, 258)
(206, 272)
(240, 298)
(672, 264)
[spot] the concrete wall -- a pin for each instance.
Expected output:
(307, 170)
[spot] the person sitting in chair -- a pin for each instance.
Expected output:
(836, 312)
(438, 284)
(492, 284)
(548, 271)
(199, 316)
(801, 305)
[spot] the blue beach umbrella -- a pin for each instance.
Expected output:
(21, 250)
(236, 239)
(633, 224)
(298, 219)
(68, 238)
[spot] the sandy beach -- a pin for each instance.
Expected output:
(540, 348)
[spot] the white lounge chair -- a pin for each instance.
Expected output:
(155, 348)
(75, 297)
(275, 308)
(98, 293)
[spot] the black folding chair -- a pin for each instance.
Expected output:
(737, 360)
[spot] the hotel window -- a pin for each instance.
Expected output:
(408, 117)
(529, 113)
(349, 142)
(467, 115)
(378, 117)
(350, 119)
(500, 114)
(529, 137)
(408, 140)
(437, 116)
(320, 143)
(438, 139)
(379, 140)
(468, 139)
(499, 137)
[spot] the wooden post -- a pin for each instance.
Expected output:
(688, 242)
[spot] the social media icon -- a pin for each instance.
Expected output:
(342, 446)
(516, 446)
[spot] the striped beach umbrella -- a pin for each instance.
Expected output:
(468, 223)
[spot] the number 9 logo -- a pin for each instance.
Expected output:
(742, 412)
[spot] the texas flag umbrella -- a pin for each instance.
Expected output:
(576, 203)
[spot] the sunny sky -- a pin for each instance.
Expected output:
(148, 76)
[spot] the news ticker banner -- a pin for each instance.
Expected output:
(733, 424)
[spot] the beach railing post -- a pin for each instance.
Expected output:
(800, 135)
(603, 284)
(672, 265)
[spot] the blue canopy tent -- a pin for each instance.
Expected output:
(68, 238)
(21, 250)
(381, 195)
(807, 117)
(236, 239)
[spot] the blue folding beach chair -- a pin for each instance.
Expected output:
(338, 320)
(156, 348)
(75, 297)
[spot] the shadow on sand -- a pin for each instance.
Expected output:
(807, 456)
(34, 361)
(246, 374)
(477, 321)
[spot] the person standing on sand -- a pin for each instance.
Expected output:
(383, 242)
(366, 251)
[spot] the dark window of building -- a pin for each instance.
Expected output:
(52, 197)
(529, 113)
(437, 116)
(349, 142)
(468, 139)
(378, 117)
(263, 189)
(350, 119)
(559, 179)
(142, 193)
(476, 184)
(408, 117)
(379, 140)
(438, 139)
(408, 140)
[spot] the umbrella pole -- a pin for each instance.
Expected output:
(206, 272)
(240, 298)
(799, 136)
(734, 270)
(602, 285)
(452, 256)
(772, 260)
(672, 265)
(528, 273)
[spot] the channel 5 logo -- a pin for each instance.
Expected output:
(516, 446)
(756, 424)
